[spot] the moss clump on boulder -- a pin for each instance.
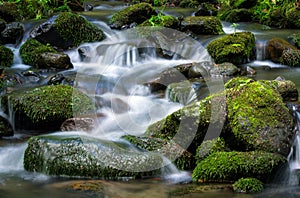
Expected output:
(230, 166)
(45, 108)
(183, 159)
(210, 146)
(67, 30)
(258, 117)
(202, 25)
(76, 29)
(73, 154)
(290, 57)
(235, 48)
(188, 126)
(6, 56)
(137, 13)
(293, 16)
(237, 15)
(31, 51)
(248, 185)
(38, 55)
(296, 39)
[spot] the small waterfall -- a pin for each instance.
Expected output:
(11, 158)
(294, 156)
(261, 50)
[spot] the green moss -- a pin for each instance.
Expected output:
(290, 57)
(235, 48)
(46, 106)
(6, 56)
(188, 4)
(183, 159)
(77, 29)
(9, 12)
(78, 155)
(296, 39)
(210, 146)
(31, 51)
(293, 16)
(203, 25)
(237, 15)
(248, 185)
(137, 13)
(230, 166)
(255, 109)
(164, 21)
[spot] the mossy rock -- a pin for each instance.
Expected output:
(237, 15)
(181, 92)
(12, 34)
(67, 30)
(188, 4)
(6, 57)
(39, 55)
(231, 166)
(31, 51)
(2, 25)
(73, 155)
(163, 21)
(296, 39)
(258, 117)
(202, 25)
(235, 48)
(188, 126)
(290, 57)
(45, 108)
(248, 185)
(210, 146)
(9, 12)
(137, 13)
(182, 159)
(5, 127)
(275, 48)
(293, 16)
(224, 69)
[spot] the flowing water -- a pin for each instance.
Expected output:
(117, 70)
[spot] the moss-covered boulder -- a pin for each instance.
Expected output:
(13, 33)
(202, 25)
(9, 12)
(73, 154)
(237, 15)
(67, 30)
(137, 13)
(45, 108)
(258, 118)
(206, 9)
(6, 57)
(293, 16)
(39, 55)
(188, 4)
(248, 185)
(235, 48)
(231, 166)
(189, 125)
(290, 57)
(182, 159)
(275, 48)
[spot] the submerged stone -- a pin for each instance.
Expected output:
(73, 155)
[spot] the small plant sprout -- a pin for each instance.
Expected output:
(234, 26)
